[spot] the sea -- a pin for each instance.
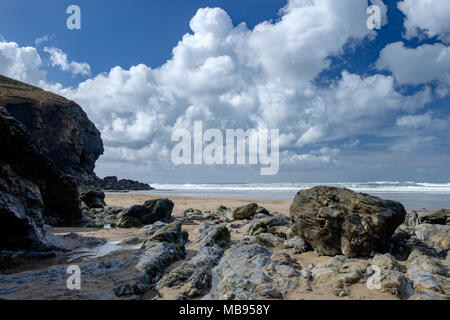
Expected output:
(413, 195)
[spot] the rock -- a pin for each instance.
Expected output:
(93, 198)
(252, 272)
(395, 283)
(21, 211)
(112, 183)
(62, 131)
(148, 213)
(248, 211)
(419, 262)
(24, 164)
(434, 235)
(412, 219)
(266, 240)
(210, 235)
(268, 225)
(193, 276)
(193, 214)
(339, 221)
(437, 217)
(297, 243)
(61, 128)
(169, 233)
(386, 261)
(339, 271)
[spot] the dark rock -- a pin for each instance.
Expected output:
(170, 233)
(22, 157)
(21, 212)
(193, 275)
(437, 217)
(248, 211)
(62, 131)
(112, 183)
(148, 213)
(339, 221)
(61, 128)
(93, 198)
(210, 235)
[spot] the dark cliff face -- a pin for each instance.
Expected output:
(32, 189)
(61, 128)
(62, 131)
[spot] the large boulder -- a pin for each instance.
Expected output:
(248, 211)
(436, 217)
(148, 213)
(93, 199)
(338, 221)
(25, 165)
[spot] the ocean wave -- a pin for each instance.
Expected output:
(376, 186)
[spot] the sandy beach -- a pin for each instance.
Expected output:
(203, 204)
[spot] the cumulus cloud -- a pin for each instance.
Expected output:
(234, 77)
(424, 64)
(428, 18)
(21, 63)
(41, 40)
(59, 59)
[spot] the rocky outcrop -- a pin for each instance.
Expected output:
(436, 217)
(249, 272)
(339, 221)
(62, 131)
(148, 213)
(29, 175)
(61, 128)
(112, 183)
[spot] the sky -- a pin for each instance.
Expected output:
(350, 103)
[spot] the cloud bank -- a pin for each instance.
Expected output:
(234, 77)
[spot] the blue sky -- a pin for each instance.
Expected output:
(351, 104)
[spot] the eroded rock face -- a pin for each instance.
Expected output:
(61, 128)
(148, 213)
(21, 212)
(249, 272)
(339, 221)
(24, 164)
(93, 199)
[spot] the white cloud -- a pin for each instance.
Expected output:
(426, 17)
(233, 77)
(21, 63)
(59, 58)
(424, 64)
(41, 40)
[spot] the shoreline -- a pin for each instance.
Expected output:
(208, 201)
(201, 203)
